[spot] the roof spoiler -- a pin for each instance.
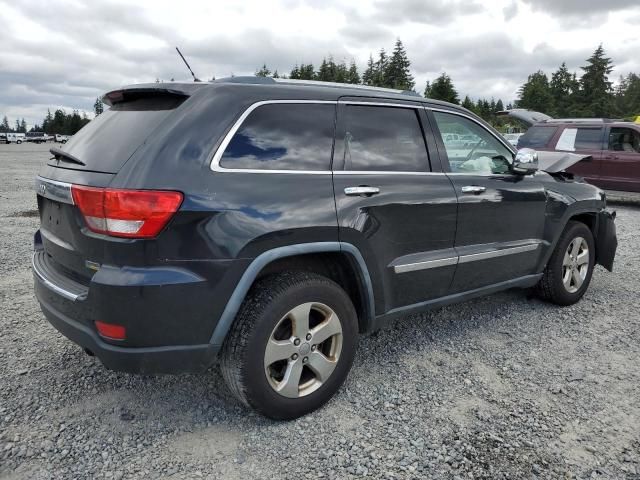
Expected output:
(133, 92)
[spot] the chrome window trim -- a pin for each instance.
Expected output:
(379, 104)
(217, 156)
(54, 190)
(471, 257)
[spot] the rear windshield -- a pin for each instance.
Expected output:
(107, 142)
(536, 137)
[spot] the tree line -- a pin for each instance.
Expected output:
(60, 122)
(564, 94)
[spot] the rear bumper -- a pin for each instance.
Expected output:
(168, 359)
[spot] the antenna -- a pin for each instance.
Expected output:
(195, 79)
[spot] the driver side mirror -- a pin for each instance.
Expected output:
(526, 162)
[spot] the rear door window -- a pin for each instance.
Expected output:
(385, 139)
(107, 141)
(283, 136)
(537, 137)
(580, 138)
(624, 140)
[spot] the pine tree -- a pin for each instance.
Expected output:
(276, 74)
(499, 106)
(263, 71)
(324, 73)
(397, 73)
(380, 68)
(564, 87)
(4, 126)
(98, 106)
(352, 75)
(536, 94)
(369, 73)
(596, 91)
(442, 89)
(467, 103)
(295, 73)
(307, 72)
(627, 96)
(17, 127)
(23, 126)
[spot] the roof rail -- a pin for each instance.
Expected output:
(582, 120)
(289, 81)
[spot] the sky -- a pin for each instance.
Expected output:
(65, 53)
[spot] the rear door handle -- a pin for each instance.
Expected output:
(361, 191)
(473, 189)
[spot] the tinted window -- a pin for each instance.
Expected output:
(384, 139)
(283, 137)
(107, 141)
(470, 147)
(536, 137)
(624, 140)
(589, 139)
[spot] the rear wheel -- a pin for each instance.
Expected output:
(291, 345)
(568, 273)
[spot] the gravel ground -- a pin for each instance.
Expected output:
(502, 387)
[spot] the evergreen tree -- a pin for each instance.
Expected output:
(397, 73)
(380, 68)
(23, 126)
(295, 73)
(499, 106)
(467, 103)
(276, 74)
(352, 75)
(4, 126)
(307, 72)
(263, 71)
(442, 89)
(627, 96)
(564, 87)
(324, 72)
(369, 73)
(17, 127)
(596, 91)
(536, 94)
(98, 106)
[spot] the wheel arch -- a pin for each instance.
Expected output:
(342, 262)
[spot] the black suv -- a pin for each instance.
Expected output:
(265, 224)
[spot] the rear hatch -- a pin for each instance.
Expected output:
(68, 244)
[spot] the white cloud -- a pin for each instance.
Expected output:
(64, 53)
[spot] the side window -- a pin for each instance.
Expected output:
(383, 139)
(624, 140)
(283, 136)
(537, 137)
(470, 147)
(580, 138)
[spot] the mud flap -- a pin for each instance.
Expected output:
(606, 240)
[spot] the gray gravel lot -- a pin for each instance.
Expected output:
(502, 387)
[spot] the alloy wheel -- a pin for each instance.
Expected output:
(303, 350)
(575, 264)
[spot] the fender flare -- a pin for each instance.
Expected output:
(262, 260)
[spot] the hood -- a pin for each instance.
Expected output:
(529, 117)
(554, 162)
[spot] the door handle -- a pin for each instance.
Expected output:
(473, 189)
(361, 191)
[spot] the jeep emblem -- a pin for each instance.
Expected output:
(43, 188)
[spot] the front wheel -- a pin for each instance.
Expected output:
(291, 345)
(568, 273)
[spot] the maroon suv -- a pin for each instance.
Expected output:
(613, 147)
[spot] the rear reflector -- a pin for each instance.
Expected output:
(126, 213)
(111, 330)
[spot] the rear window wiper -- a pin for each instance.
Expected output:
(67, 157)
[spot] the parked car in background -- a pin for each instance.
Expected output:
(3, 138)
(611, 147)
(265, 223)
(15, 138)
(37, 137)
(61, 138)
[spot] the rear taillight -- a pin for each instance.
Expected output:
(126, 213)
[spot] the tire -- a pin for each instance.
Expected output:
(266, 319)
(19, 142)
(553, 286)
